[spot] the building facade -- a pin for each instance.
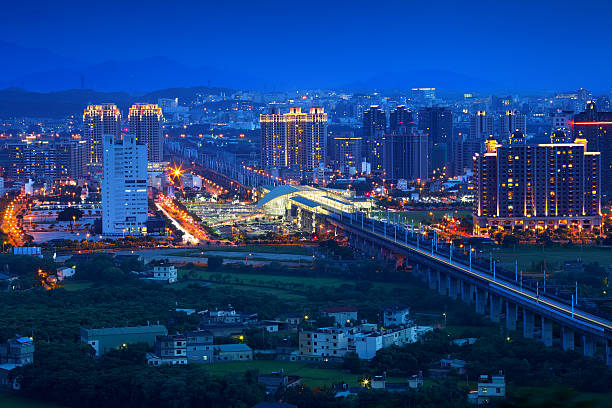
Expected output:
(145, 122)
(481, 126)
(522, 186)
(374, 128)
(100, 120)
(510, 122)
(407, 154)
(346, 152)
(437, 122)
(596, 128)
(296, 139)
(124, 187)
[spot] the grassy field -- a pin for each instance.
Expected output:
(276, 249)
(424, 216)
(13, 401)
(311, 375)
(553, 256)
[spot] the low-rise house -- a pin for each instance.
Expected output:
(18, 350)
(450, 364)
(489, 388)
(465, 342)
(165, 273)
(294, 319)
(229, 316)
(323, 343)
(232, 352)
(274, 381)
(199, 347)
(341, 314)
(105, 339)
(170, 349)
(396, 315)
(8, 282)
(367, 343)
(63, 273)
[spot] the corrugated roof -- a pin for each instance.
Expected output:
(275, 193)
(126, 330)
(232, 347)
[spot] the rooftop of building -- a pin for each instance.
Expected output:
(110, 331)
(232, 347)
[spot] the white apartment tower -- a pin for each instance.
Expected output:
(124, 187)
(145, 122)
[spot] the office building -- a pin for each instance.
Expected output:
(374, 128)
(535, 187)
(100, 120)
(407, 155)
(124, 187)
(510, 122)
(399, 118)
(596, 128)
(296, 139)
(481, 126)
(145, 122)
(346, 152)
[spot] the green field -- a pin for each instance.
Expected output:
(13, 401)
(276, 249)
(251, 279)
(311, 375)
(553, 256)
(423, 216)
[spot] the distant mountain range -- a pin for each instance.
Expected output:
(16, 102)
(43, 71)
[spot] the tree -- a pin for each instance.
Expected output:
(70, 214)
(214, 262)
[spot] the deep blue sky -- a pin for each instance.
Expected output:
(522, 44)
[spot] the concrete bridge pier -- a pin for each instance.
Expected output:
(511, 315)
(495, 307)
(481, 301)
(467, 291)
(432, 279)
(588, 346)
(453, 287)
(567, 338)
(442, 284)
(608, 353)
(547, 332)
(528, 324)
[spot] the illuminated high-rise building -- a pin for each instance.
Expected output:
(510, 122)
(550, 185)
(100, 120)
(124, 186)
(346, 151)
(399, 118)
(481, 126)
(295, 139)
(596, 128)
(145, 122)
(374, 128)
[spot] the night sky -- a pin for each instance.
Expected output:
(519, 44)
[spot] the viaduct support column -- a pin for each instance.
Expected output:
(608, 353)
(567, 338)
(511, 315)
(442, 283)
(588, 344)
(547, 332)
(495, 307)
(481, 301)
(467, 291)
(431, 279)
(453, 287)
(528, 321)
